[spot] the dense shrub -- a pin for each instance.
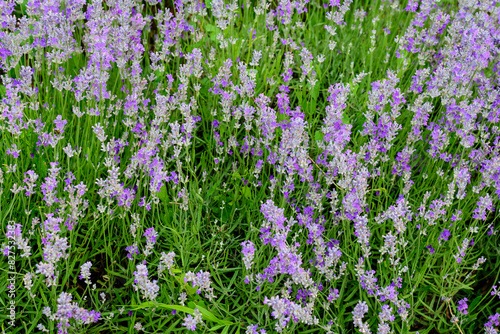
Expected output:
(286, 166)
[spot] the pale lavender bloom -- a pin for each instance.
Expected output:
(462, 177)
(191, 322)
(182, 298)
(28, 283)
(361, 230)
(138, 326)
(252, 329)
(48, 270)
(149, 289)
(15, 234)
(462, 249)
(13, 151)
(49, 186)
(202, 281)
(151, 236)
(166, 262)
(384, 328)
(66, 310)
(484, 204)
(99, 131)
(184, 196)
(421, 112)
(248, 252)
(336, 133)
(495, 292)
(194, 62)
(401, 166)
(70, 152)
(60, 124)
(85, 272)
(307, 58)
(334, 295)
(30, 182)
(256, 56)
(56, 249)
(358, 313)
(386, 314)
(400, 214)
(247, 81)
(284, 310)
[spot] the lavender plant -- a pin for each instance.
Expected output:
(250, 166)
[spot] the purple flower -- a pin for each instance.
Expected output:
(484, 204)
(14, 151)
(49, 186)
(494, 321)
(368, 282)
(190, 321)
(202, 281)
(149, 289)
(334, 294)
(85, 272)
(150, 235)
(358, 313)
(60, 124)
(132, 250)
(412, 6)
(462, 306)
(445, 235)
(248, 252)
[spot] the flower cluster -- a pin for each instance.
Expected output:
(149, 289)
(202, 282)
(85, 272)
(367, 136)
(191, 321)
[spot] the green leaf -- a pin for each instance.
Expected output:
(189, 288)
(206, 314)
(474, 302)
(345, 119)
(213, 31)
(205, 81)
(158, 74)
(160, 305)
(354, 89)
(163, 195)
(247, 192)
(215, 328)
(318, 135)
(315, 93)
(211, 317)
(210, 27)
(488, 72)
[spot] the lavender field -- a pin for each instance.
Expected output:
(265, 166)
